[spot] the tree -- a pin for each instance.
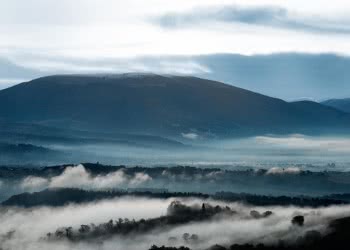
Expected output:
(298, 220)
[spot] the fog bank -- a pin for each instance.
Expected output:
(27, 228)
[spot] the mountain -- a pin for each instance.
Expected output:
(160, 105)
(341, 104)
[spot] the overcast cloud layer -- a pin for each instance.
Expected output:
(109, 28)
(42, 37)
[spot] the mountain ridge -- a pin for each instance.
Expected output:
(160, 104)
(340, 104)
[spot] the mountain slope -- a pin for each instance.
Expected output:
(160, 104)
(341, 104)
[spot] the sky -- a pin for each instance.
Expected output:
(41, 37)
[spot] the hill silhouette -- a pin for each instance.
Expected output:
(161, 105)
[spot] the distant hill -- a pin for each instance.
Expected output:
(64, 196)
(13, 153)
(341, 104)
(22, 148)
(161, 105)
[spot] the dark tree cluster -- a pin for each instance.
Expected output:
(257, 215)
(298, 220)
(168, 248)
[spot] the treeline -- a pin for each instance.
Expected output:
(337, 239)
(265, 200)
(182, 178)
(62, 196)
(177, 214)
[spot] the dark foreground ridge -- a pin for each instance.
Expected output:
(179, 214)
(337, 239)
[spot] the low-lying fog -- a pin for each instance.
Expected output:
(27, 228)
(310, 152)
(276, 181)
(284, 157)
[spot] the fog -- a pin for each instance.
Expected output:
(276, 181)
(309, 152)
(306, 152)
(79, 177)
(73, 177)
(280, 155)
(30, 226)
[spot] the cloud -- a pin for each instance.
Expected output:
(79, 177)
(28, 67)
(301, 142)
(191, 136)
(123, 29)
(139, 179)
(163, 65)
(34, 183)
(267, 16)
